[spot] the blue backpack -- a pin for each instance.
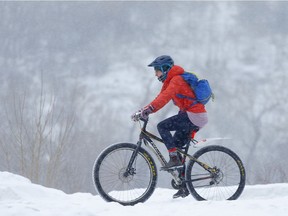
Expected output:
(201, 88)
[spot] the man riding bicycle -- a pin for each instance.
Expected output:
(191, 116)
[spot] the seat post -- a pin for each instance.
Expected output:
(186, 148)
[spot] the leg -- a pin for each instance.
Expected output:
(182, 136)
(181, 125)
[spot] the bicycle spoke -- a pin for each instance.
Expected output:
(224, 182)
(115, 182)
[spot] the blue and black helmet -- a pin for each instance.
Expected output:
(163, 63)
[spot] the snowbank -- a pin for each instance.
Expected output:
(18, 196)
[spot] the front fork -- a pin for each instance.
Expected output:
(130, 170)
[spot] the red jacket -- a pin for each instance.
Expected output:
(175, 84)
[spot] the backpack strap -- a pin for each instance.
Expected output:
(189, 98)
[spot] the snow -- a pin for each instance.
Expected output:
(18, 196)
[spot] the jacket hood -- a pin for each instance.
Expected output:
(174, 71)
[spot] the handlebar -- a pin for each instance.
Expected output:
(137, 117)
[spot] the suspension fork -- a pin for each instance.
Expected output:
(129, 169)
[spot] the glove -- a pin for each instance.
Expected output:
(146, 111)
(142, 114)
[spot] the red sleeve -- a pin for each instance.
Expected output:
(165, 95)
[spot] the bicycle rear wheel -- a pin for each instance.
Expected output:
(114, 183)
(225, 182)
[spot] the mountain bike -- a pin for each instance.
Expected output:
(126, 173)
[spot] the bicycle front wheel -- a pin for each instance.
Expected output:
(226, 179)
(115, 184)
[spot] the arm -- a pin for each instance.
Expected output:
(165, 95)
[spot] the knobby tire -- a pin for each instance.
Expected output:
(228, 184)
(114, 185)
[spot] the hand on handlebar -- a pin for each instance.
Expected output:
(136, 116)
(142, 114)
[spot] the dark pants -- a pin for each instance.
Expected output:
(182, 126)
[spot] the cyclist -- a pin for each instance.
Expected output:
(191, 116)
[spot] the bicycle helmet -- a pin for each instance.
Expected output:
(163, 63)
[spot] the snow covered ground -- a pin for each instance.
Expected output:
(18, 196)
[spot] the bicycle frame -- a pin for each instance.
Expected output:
(148, 138)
